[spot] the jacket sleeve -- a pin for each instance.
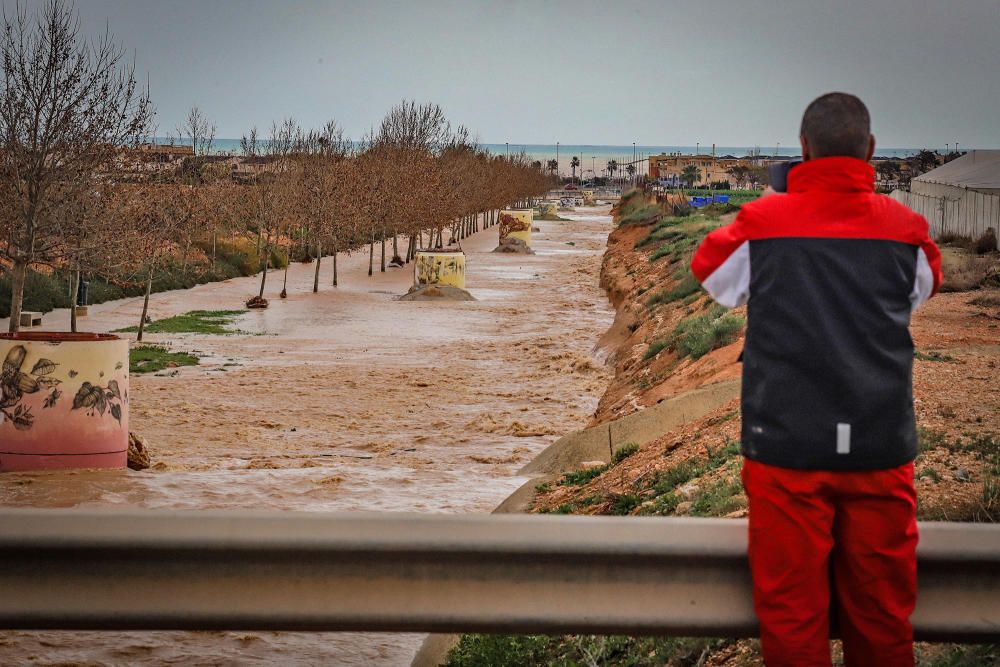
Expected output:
(722, 263)
(927, 281)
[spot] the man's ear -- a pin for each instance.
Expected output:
(871, 148)
(805, 149)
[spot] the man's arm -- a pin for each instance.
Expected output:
(722, 263)
(928, 278)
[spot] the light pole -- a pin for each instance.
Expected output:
(507, 144)
(592, 168)
(557, 159)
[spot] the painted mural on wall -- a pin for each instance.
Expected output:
(63, 403)
(588, 197)
(549, 209)
(439, 268)
(516, 224)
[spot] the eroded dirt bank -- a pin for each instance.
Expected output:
(346, 400)
(668, 338)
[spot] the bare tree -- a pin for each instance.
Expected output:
(67, 108)
(267, 189)
(199, 130)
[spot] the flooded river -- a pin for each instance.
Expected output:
(344, 400)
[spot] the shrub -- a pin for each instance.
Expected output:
(623, 452)
(700, 335)
(645, 215)
(985, 243)
(687, 286)
(42, 293)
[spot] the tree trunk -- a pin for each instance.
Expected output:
(263, 275)
(284, 284)
(371, 254)
(145, 305)
(214, 236)
(18, 273)
(319, 258)
(72, 303)
(382, 269)
(334, 265)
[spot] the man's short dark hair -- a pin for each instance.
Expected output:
(837, 124)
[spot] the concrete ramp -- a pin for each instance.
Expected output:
(600, 442)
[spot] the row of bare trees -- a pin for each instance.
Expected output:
(77, 194)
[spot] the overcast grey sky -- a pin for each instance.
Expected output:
(536, 71)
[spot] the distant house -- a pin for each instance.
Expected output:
(668, 167)
(961, 197)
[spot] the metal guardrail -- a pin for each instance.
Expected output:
(73, 569)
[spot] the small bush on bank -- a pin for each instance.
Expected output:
(645, 215)
(700, 335)
(687, 286)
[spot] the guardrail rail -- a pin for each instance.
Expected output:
(74, 569)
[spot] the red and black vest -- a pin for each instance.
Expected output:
(831, 273)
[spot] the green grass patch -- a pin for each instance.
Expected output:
(643, 215)
(153, 358)
(582, 477)
(718, 499)
(667, 482)
(685, 287)
(623, 452)
(214, 322)
(655, 348)
(574, 650)
(697, 336)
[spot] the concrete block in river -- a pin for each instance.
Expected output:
(439, 267)
(516, 224)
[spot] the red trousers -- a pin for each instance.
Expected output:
(859, 526)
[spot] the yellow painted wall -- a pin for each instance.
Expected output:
(439, 268)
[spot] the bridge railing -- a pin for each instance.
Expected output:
(105, 570)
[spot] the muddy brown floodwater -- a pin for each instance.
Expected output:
(344, 400)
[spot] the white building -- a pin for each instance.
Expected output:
(961, 197)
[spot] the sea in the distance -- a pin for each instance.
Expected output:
(595, 157)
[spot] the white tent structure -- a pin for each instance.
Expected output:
(961, 197)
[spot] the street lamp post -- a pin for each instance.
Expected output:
(557, 159)
(507, 144)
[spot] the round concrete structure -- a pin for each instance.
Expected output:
(516, 224)
(439, 267)
(64, 401)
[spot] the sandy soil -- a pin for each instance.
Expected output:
(345, 400)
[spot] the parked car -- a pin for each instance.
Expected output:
(571, 187)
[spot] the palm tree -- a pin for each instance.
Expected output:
(553, 166)
(573, 164)
(690, 175)
(630, 170)
(612, 168)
